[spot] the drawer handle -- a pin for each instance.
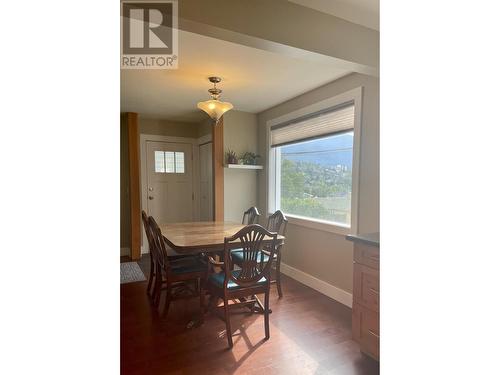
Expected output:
(373, 333)
(374, 291)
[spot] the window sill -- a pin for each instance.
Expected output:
(324, 226)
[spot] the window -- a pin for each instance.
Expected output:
(179, 162)
(159, 162)
(313, 165)
(169, 162)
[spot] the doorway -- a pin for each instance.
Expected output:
(169, 179)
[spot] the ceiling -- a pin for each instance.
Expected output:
(253, 79)
(361, 12)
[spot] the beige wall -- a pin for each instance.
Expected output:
(240, 186)
(324, 255)
(170, 128)
(205, 127)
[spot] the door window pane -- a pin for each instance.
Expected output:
(159, 162)
(179, 162)
(169, 162)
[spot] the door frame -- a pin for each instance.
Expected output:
(144, 175)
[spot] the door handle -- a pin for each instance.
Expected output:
(150, 198)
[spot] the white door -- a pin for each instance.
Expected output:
(206, 183)
(170, 181)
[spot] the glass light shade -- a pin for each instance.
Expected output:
(215, 108)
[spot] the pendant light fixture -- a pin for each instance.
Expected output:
(214, 107)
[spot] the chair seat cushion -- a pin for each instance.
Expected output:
(237, 255)
(172, 253)
(175, 257)
(187, 265)
(218, 280)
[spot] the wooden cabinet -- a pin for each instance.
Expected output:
(366, 293)
(366, 287)
(365, 329)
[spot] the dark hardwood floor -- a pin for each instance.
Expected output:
(310, 334)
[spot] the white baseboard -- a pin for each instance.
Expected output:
(321, 286)
(124, 251)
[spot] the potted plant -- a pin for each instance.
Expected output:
(249, 158)
(231, 157)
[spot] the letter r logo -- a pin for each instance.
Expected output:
(147, 28)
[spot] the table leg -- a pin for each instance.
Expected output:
(196, 322)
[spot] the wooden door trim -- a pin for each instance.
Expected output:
(218, 169)
(144, 173)
(202, 141)
(134, 188)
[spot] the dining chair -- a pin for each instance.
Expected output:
(277, 222)
(153, 258)
(250, 216)
(176, 273)
(253, 278)
(152, 265)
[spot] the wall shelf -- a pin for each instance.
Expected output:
(243, 166)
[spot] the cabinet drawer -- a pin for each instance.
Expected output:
(366, 287)
(367, 254)
(365, 330)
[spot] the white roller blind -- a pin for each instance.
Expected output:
(315, 125)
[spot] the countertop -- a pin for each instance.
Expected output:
(368, 238)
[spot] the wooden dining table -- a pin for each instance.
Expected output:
(203, 236)
(206, 237)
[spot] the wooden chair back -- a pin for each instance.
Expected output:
(149, 235)
(145, 223)
(159, 243)
(277, 222)
(251, 239)
(250, 216)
